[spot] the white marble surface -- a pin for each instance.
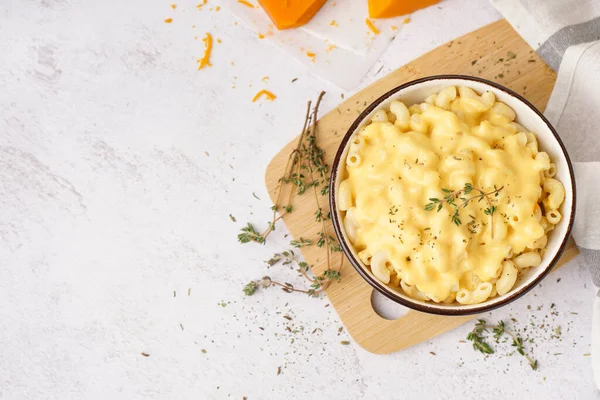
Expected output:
(119, 166)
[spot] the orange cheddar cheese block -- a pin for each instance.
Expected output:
(394, 8)
(287, 14)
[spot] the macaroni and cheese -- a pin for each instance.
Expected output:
(450, 199)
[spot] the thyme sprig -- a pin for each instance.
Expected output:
(450, 198)
(305, 168)
(249, 234)
(479, 341)
(317, 283)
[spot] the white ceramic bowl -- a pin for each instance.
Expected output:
(528, 116)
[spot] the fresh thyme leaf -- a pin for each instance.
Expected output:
(325, 190)
(534, 365)
(231, 217)
(518, 343)
(490, 210)
(333, 245)
(483, 347)
(274, 260)
(319, 214)
(303, 265)
(249, 234)
(288, 209)
(498, 330)
(321, 241)
(331, 275)
(301, 242)
(455, 218)
(250, 288)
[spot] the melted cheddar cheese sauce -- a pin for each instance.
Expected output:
(397, 170)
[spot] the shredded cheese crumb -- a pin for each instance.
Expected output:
(173, 6)
(394, 28)
(330, 47)
(268, 95)
(246, 3)
(217, 8)
(333, 23)
(219, 41)
(265, 79)
(261, 36)
(372, 27)
(205, 60)
(199, 5)
(406, 20)
(311, 55)
(169, 20)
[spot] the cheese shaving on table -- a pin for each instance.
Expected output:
(169, 20)
(406, 20)
(205, 60)
(268, 95)
(246, 3)
(372, 27)
(173, 6)
(311, 55)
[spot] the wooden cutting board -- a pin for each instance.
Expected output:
(495, 52)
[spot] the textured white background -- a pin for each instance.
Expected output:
(119, 166)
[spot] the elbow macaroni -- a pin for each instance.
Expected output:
(406, 155)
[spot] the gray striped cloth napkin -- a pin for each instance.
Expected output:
(566, 34)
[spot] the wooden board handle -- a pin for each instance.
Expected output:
(387, 336)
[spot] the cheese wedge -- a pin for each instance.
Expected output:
(287, 14)
(394, 8)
